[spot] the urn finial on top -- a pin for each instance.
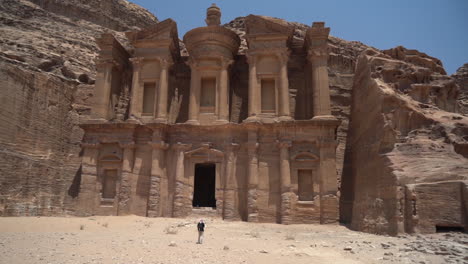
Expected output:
(213, 15)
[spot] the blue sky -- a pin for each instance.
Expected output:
(436, 27)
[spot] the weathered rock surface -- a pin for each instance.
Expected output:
(461, 78)
(47, 71)
(405, 165)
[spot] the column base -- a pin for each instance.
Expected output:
(221, 122)
(192, 122)
(252, 119)
(161, 120)
(324, 117)
(285, 118)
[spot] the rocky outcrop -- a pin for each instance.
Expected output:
(405, 166)
(119, 15)
(47, 71)
(461, 78)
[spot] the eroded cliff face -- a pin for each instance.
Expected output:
(47, 72)
(405, 166)
(461, 78)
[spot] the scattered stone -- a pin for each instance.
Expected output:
(172, 244)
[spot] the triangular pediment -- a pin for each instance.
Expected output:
(258, 25)
(164, 30)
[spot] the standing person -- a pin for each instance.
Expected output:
(201, 229)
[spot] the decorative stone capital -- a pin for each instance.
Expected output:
(181, 146)
(284, 143)
(127, 145)
(252, 147)
(225, 63)
(192, 63)
(159, 145)
(319, 53)
(283, 57)
(165, 63)
(136, 62)
(318, 31)
(232, 146)
(106, 63)
(90, 145)
(251, 58)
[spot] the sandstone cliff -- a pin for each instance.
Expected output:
(461, 78)
(406, 166)
(47, 71)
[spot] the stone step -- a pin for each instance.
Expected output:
(204, 212)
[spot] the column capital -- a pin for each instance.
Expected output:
(231, 146)
(90, 145)
(158, 145)
(181, 146)
(283, 56)
(252, 147)
(319, 53)
(251, 57)
(104, 63)
(226, 62)
(284, 143)
(136, 61)
(165, 62)
(192, 63)
(127, 144)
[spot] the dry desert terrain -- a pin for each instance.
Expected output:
(132, 239)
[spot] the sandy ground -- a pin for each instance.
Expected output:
(132, 239)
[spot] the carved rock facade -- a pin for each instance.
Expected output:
(215, 114)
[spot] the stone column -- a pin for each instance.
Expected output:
(102, 104)
(316, 39)
(231, 212)
(285, 180)
(162, 91)
(158, 172)
(252, 184)
(224, 91)
(328, 182)
(125, 191)
(285, 112)
(136, 100)
(180, 192)
(88, 193)
(194, 101)
(254, 93)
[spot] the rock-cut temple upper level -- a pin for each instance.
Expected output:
(277, 78)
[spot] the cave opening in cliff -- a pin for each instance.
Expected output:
(204, 185)
(446, 229)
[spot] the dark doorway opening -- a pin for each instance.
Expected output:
(204, 186)
(445, 229)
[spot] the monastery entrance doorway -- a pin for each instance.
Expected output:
(204, 185)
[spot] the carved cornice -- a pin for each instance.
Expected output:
(90, 145)
(127, 144)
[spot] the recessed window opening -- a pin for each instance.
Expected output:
(149, 95)
(208, 95)
(204, 186)
(268, 94)
(305, 185)
(109, 184)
